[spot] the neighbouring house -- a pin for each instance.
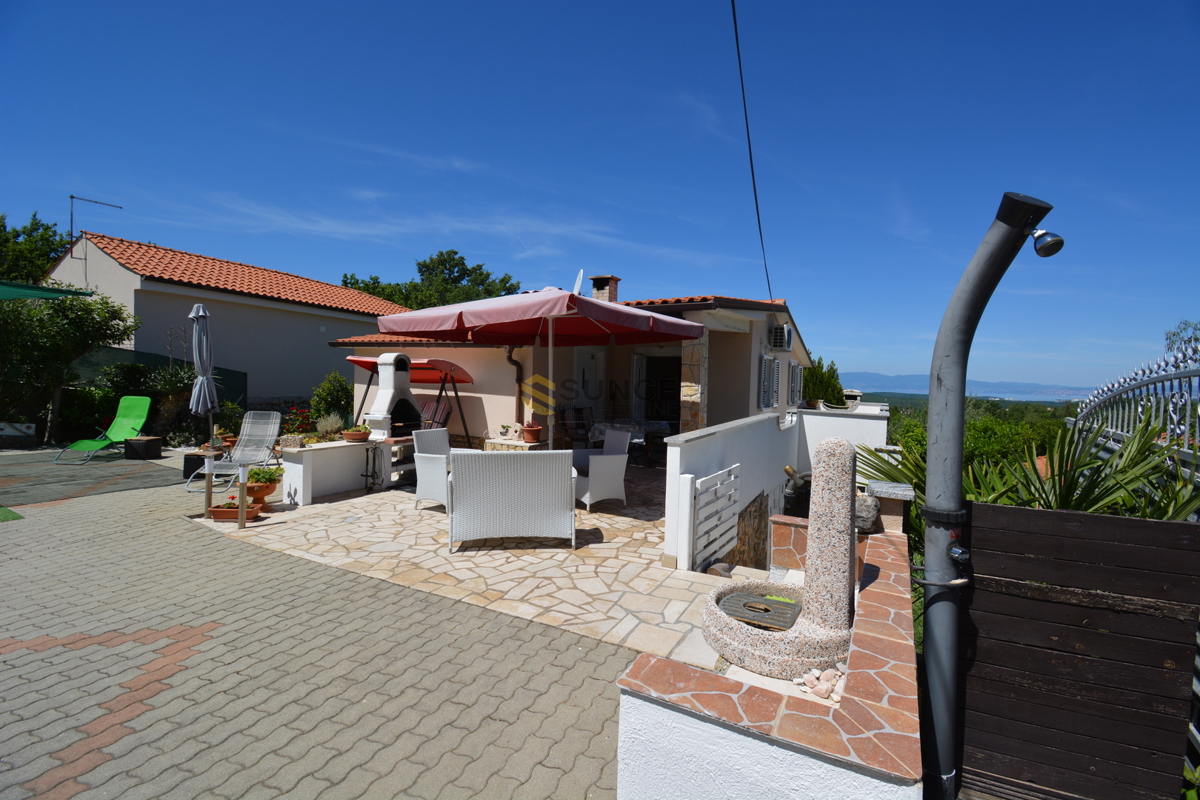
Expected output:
(269, 324)
(749, 362)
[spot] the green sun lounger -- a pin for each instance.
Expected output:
(131, 416)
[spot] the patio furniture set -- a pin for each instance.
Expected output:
(491, 495)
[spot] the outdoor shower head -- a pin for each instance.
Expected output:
(1045, 243)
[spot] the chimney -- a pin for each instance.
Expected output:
(604, 287)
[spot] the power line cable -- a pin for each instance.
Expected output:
(749, 148)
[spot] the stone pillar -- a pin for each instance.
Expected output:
(693, 391)
(830, 568)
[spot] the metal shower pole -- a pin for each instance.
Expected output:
(944, 513)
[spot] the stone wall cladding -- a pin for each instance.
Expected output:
(753, 542)
(693, 391)
(789, 542)
(875, 725)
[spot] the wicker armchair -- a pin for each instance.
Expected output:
(505, 494)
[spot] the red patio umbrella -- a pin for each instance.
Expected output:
(551, 317)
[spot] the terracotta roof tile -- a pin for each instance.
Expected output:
(366, 340)
(707, 298)
(176, 266)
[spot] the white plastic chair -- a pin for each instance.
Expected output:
(431, 455)
(615, 443)
(605, 481)
(506, 494)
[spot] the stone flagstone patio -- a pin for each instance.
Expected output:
(610, 587)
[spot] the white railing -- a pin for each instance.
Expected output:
(712, 505)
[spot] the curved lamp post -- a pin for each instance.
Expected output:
(944, 514)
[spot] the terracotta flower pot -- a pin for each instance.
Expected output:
(231, 514)
(356, 436)
(532, 435)
(229, 441)
(259, 492)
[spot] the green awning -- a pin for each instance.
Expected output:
(12, 291)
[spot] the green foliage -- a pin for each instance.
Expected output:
(125, 379)
(992, 431)
(821, 382)
(330, 424)
(296, 421)
(333, 396)
(39, 339)
(444, 278)
(27, 253)
(1143, 478)
(1185, 333)
(174, 379)
(85, 410)
(266, 474)
(229, 417)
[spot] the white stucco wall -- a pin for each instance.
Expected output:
(866, 425)
(282, 347)
(488, 403)
(667, 753)
(757, 443)
(87, 266)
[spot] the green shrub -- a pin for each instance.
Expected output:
(175, 379)
(229, 417)
(125, 379)
(333, 396)
(821, 382)
(330, 424)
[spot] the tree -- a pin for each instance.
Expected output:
(39, 340)
(1185, 333)
(27, 253)
(821, 382)
(444, 278)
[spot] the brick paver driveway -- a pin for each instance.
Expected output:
(144, 656)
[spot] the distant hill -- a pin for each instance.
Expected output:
(919, 384)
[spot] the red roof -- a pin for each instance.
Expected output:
(707, 298)
(176, 266)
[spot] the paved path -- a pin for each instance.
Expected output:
(142, 655)
(34, 478)
(609, 587)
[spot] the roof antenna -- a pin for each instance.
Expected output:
(578, 283)
(71, 232)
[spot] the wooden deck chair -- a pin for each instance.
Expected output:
(131, 416)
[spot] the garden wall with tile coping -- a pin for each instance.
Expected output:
(686, 732)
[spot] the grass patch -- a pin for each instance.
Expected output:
(7, 514)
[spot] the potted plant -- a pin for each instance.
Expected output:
(227, 439)
(228, 510)
(359, 433)
(532, 432)
(506, 431)
(262, 483)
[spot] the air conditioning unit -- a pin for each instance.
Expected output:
(781, 337)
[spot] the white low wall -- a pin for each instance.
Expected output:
(759, 444)
(323, 469)
(866, 424)
(667, 753)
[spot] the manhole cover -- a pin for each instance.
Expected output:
(776, 615)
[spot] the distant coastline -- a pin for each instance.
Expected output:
(876, 383)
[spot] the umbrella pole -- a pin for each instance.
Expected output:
(550, 355)
(212, 433)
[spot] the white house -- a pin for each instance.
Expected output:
(272, 325)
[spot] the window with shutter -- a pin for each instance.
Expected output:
(795, 384)
(776, 370)
(765, 373)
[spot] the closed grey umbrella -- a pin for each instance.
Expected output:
(204, 390)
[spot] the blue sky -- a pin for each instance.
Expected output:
(544, 138)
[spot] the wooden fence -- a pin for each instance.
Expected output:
(1077, 649)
